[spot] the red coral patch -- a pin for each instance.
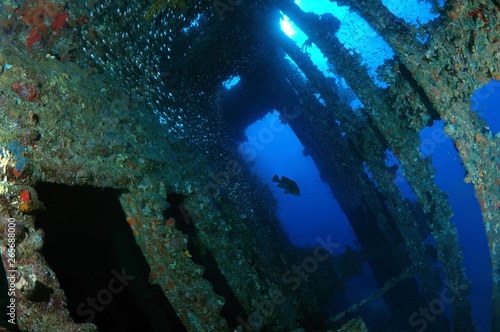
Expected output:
(25, 196)
(25, 90)
(34, 37)
(59, 21)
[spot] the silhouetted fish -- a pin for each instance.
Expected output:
(289, 185)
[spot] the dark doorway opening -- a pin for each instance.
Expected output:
(102, 271)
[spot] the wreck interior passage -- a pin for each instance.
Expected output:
(266, 165)
(91, 249)
(272, 148)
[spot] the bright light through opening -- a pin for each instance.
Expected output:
(286, 26)
(228, 84)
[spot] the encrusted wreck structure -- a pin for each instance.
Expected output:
(113, 111)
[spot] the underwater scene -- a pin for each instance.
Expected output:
(250, 165)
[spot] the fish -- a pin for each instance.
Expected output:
(289, 185)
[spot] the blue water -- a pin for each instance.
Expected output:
(486, 102)
(467, 217)
(317, 213)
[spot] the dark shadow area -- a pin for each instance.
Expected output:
(183, 222)
(103, 273)
(231, 309)
(260, 91)
(407, 75)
